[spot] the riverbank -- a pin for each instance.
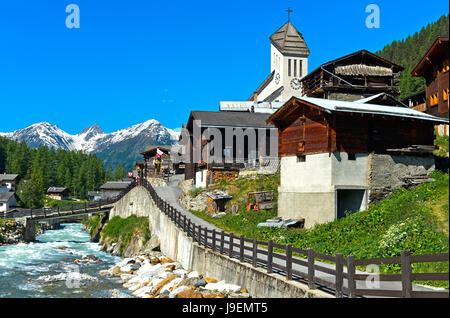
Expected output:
(11, 232)
(152, 275)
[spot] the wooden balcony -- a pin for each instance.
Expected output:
(420, 107)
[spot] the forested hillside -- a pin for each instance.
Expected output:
(45, 167)
(408, 52)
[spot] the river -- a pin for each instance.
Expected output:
(32, 269)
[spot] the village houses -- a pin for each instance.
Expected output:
(342, 137)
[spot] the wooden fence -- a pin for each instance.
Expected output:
(340, 276)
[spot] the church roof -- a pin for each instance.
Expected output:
(288, 40)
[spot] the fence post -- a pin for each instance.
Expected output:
(43, 210)
(230, 246)
(339, 274)
(85, 206)
(269, 256)
(206, 236)
(222, 239)
(214, 239)
(288, 261)
(351, 276)
(58, 210)
(311, 268)
(241, 251)
(200, 234)
(255, 251)
(406, 274)
(189, 227)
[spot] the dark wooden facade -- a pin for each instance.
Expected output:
(223, 121)
(148, 166)
(305, 129)
(352, 77)
(434, 67)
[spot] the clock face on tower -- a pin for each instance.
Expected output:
(295, 83)
(277, 78)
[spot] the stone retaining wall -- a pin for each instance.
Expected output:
(178, 246)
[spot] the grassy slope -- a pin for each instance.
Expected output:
(120, 229)
(413, 219)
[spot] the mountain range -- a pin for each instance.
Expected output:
(120, 147)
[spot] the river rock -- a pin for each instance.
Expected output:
(195, 281)
(193, 274)
(223, 287)
(174, 293)
(126, 277)
(189, 293)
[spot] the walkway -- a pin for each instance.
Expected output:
(172, 192)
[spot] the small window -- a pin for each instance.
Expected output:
(295, 68)
(289, 67)
(351, 156)
(301, 158)
(300, 68)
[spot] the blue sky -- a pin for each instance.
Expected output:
(135, 60)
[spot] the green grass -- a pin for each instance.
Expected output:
(443, 143)
(123, 229)
(55, 203)
(93, 222)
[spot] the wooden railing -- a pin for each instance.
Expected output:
(301, 264)
(70, 209)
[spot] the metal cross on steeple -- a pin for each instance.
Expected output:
(289, 13)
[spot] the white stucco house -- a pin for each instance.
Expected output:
(7, 201)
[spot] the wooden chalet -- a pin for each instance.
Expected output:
(233, 156)
(9, 181)
(338, 156)
(58, 193)
(149, 166)
(312, 125)
(434, 67)
(111, 189)
(352, 77)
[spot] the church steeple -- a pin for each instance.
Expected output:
(288, 40)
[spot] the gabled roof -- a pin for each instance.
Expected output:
(57, 190)
(288, 40)
(151, 150)
(330, 106)
(356, 58)
(115, 185)
(229, 119)
(274, 94)
(8, 177)
(439, 47)
(6, 196)
(263, 85)
(382, 99)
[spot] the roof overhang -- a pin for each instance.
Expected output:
(332, 106)
(435, 49)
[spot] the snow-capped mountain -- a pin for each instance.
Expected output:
(125, 143)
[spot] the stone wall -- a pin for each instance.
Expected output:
(175, 244)
(386, 172)
(215, 176)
